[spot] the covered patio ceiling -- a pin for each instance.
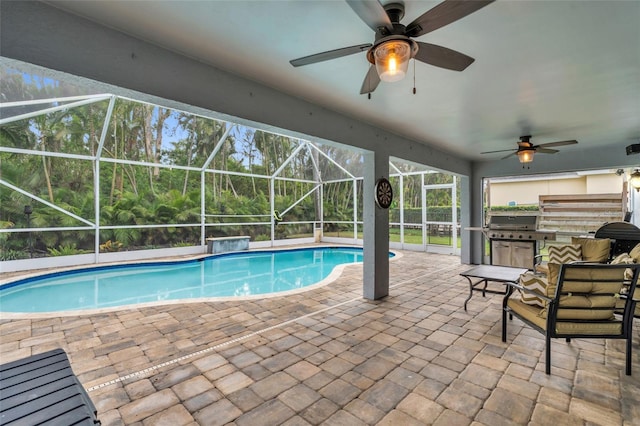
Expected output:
(556, 70)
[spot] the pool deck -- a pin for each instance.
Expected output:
(328, 356)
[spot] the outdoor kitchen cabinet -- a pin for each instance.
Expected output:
(519, 254)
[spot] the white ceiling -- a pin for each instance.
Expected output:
(555, 69)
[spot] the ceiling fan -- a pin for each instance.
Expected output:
(394, 45)
(526, 149)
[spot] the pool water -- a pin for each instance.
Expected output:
(228, 275)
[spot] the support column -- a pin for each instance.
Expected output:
(470, 201)
(376, 230)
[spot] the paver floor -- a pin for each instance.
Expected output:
(328, 356)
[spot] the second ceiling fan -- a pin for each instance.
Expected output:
(394, 45)
(526, 149)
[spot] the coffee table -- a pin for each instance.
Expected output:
(486, 273)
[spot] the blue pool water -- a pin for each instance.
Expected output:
(235, 274)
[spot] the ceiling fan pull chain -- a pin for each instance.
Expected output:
(368, 77)
(414, 76)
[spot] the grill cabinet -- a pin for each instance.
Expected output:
(514, 240)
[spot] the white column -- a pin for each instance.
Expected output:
(272, 205)
(376, 230)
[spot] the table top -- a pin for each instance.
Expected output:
(495, 273)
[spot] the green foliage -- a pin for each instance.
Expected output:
(111, 246)
(183, 244)
(414, 215)
(11, 255)
(522, 208)
(65, 250)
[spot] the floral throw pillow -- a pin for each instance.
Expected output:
(624, 259)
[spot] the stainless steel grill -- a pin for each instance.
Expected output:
(514, 240)
(520, 228)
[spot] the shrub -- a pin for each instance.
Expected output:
(11, 255)
(110, 246)
(65, 250)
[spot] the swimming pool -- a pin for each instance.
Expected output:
(227, 275)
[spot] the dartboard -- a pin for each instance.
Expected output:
(384, 193)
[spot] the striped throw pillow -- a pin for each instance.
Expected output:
(565, 253)
(536, 283)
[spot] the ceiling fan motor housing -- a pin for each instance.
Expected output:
(395, 11)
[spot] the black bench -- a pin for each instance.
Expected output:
(42, 389)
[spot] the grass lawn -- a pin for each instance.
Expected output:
(411, 236)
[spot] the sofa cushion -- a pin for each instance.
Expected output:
(594, 249)
(590, 294)
(565, 253)
(530, 313)
(552, 278)
(542, 269)
(538, 317)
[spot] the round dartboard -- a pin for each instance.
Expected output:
(384, 193)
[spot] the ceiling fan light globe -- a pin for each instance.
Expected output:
(634, 179)
(392, 60)
(526, 155)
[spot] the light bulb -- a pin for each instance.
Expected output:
(393, 66)
(392, 60)
(526, 155)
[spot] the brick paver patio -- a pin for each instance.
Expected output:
(328, 356)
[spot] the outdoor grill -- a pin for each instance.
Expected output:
(515, 239)
(517, 228)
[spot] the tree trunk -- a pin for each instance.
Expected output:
(317, 179)
(45, 167)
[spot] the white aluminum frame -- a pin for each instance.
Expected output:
(98, 159)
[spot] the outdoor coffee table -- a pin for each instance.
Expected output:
(486, 273)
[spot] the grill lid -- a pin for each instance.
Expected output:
(520, 223)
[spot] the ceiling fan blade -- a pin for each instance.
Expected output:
(330, 54)
(372, 13)
(546, 150)
(444, 14)
(559, 143)
(371, 81)
(500, 150)
(442, 57)
(510, 155)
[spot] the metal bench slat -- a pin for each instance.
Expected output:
(20, 368)
(76, 417)
(42, 389)
(18, 384)
(28, 393)
(43, 372)
(37, 414)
